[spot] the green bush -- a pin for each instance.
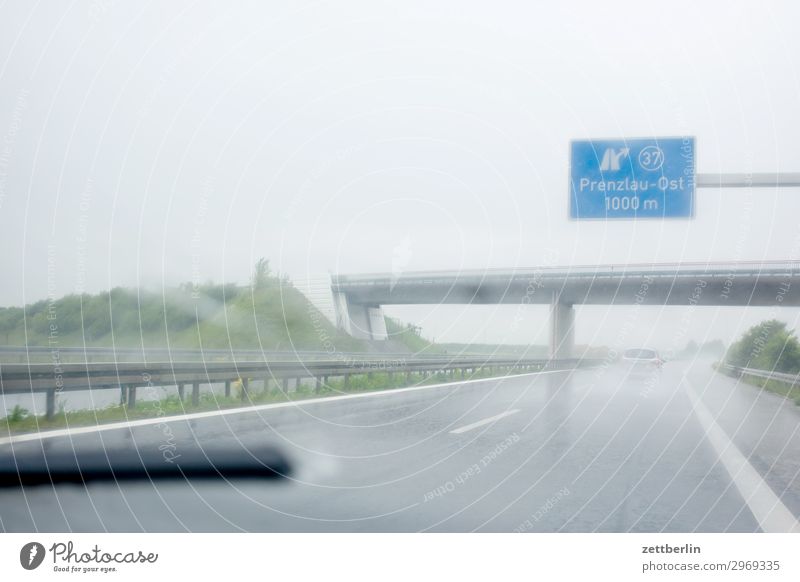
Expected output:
(767, 346)
(18, 414)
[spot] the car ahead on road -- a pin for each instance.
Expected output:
(641, 360)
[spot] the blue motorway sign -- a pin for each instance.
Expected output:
(632, 178)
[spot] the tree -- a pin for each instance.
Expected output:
(769, 346)
(714, 348)
(781, 353)
(261, 273)
(691, 349)
(10, 318)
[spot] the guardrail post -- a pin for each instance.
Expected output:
(50, 404)
(181, 392)
(123, 394)
(317, 384)
(132, 397)
(245, 387)
(195, 393)
(286, 385)
(227, 388)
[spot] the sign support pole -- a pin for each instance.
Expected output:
(780, 180)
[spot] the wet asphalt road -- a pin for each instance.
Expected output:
(591, 450)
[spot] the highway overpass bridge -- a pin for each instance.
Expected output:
(358, 299)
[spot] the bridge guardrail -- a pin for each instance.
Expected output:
(762, 268)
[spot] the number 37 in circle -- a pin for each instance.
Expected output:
(651, 158)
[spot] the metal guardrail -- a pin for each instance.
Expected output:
(34, 354)
(54, 378)
(792, 379)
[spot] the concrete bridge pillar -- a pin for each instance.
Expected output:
(562, 328)
(342, 312)
(358, 320)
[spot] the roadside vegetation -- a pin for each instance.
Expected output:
(410, 336)
(768, 346)
(268, 314)
(21, 420)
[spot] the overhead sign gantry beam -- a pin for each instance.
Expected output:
(648, 178)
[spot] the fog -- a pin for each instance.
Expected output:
(146, 145)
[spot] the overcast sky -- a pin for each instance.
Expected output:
(154, 143)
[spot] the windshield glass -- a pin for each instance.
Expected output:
(388, 267)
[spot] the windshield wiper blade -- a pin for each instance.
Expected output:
(41, 467)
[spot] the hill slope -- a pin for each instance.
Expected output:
(274, 316)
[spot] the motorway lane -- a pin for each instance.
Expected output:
(765, 427)
(590, 450)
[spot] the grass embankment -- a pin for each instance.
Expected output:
(769, 345)
(774, 386)
(410, 337)
(781, 388)
(273, 316)
(21, 421)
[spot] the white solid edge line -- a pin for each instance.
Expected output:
(770, 512)
(494, 418)
(244, 410)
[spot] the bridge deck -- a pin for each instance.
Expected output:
(734, 284)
